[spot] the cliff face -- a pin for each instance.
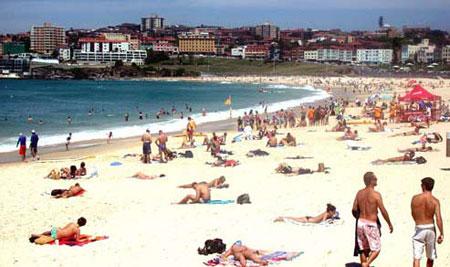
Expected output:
(99, 73)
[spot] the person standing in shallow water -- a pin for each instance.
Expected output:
(68, 141)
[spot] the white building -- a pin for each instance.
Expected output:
(409, 52)
(445, 54)
(102, 50)
(327, 55)
(377, 56)
(426, 55)
(238, 51)
(64, 54)
(310, 55)
(165, 47)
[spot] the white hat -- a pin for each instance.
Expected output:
(32, 131)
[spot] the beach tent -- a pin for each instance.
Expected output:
(419, 93)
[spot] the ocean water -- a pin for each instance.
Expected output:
(53, 101)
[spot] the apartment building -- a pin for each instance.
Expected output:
(445, 54)
(196, 43)
(267, 31)
(310, 55)
(47, 38)
(152, 23)
(103, 50)
(337, 55)
(374, 56)
(409, 52)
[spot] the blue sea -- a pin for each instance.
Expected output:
(98, 107)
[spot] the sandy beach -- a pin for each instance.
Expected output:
(144, 229)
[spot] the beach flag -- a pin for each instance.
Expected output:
(227, 101)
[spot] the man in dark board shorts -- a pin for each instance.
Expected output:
(162, 146)
(366, 205)
(33, 144)
(146, 146)
(424, 207)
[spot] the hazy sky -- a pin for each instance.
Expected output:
(20, 15)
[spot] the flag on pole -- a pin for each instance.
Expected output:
(227, 101)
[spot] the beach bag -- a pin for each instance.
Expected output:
(421, 160)
(188, 154)
(212, 246)
(243, 199)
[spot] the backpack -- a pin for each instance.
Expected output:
(212, 246)
(243, 199)
(421, 160)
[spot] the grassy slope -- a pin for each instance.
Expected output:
(218, 66)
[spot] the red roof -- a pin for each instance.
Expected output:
(98, 40)
(419, 93)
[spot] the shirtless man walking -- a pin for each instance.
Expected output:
(162, 147)
(146, 146)
(365, 209)
(202, 194)
(424, 207)
(190, 128)
(71, 230)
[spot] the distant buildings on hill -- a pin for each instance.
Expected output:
(130, 44)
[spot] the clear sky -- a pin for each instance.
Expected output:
(20, 15)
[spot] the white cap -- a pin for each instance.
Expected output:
(32, 131)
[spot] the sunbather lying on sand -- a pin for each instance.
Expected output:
(289, 140)
(291, 171)
(409, 133)
(409, 156)
(242, 253)
(66, 193)
(143, 176)
(202, 194)
(71, 230)
(223, 163)
(215, 183)
(68, 173)
(423, 148)
(329, 213)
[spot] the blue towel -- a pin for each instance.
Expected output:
(220, 202)
(115, 163)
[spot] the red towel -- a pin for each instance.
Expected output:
(84, 239)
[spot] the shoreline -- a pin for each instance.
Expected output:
(337, 91)
(81, 148)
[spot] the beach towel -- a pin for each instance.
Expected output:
(299, 157)
(84, 239)
(353, 145)
(220, 202)
(409, 162)
(326, 223)
(115, 163)
(60, 191)
(271, 257)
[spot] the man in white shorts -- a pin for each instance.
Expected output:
(424, 207)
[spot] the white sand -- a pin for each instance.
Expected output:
(146, 230)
